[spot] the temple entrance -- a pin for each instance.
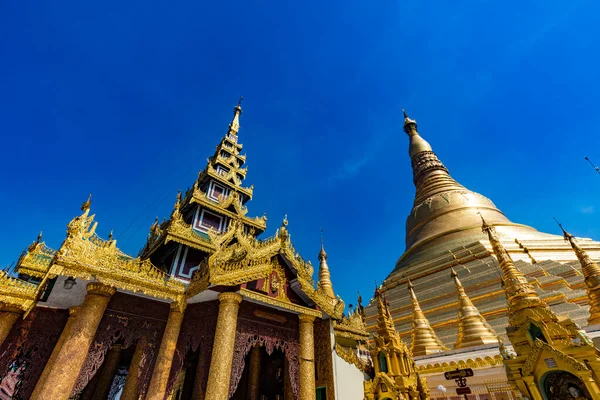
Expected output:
(264, 376)
(561, 385)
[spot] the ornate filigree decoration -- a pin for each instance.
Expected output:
(348, 354)
(35, 261)
(239, 257)
(281, 304)
(352, 327)
(468, 363)
(17, 293)
(29, 345)
(85, 255)
(533, 358)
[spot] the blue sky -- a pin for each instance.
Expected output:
(126, 100)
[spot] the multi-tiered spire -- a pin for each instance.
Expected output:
(385, 322)
(473, 329)
(217, 198)
(424, 340)
(591, 273)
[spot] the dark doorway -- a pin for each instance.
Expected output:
(561, 385)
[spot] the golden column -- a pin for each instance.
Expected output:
(73, 346)
(222, 354)
(8, 317)
(111, 365)
(307, 358)
(66, 332)
(160, 376)
(132, 384)
(254, 378)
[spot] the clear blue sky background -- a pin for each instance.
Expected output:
(127, 100)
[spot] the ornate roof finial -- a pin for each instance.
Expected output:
(39, 237)
(473, 329)
(324, 283)
(591, 274)
(110, 235)
(322, 253)
(424, 340)
(234, 126)
(86, 205)
(410, 125)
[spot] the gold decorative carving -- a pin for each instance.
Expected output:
(36, 260)
(348, 354)
(17, 293)
(239, 257)
(281, 304)
(468, 363)
(352, 327)
(85, 255)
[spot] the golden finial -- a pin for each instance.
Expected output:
(285, 221)
(234, 126)
(86, 205)
(453, 273)
(322, 253)
(39, 237)
(110, 235)
(410, 125)
(591, 274)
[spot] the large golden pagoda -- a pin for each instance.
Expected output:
(206, 311)
(444, 241)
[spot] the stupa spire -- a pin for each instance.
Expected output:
(430, 176)
(385, 322)
(324, 276)
(234, 126)
(473, 329)
(591, 273)
(424, 340)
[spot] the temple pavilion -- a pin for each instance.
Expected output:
(205, 311)
(474, 290)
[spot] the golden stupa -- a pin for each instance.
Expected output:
(444, 241)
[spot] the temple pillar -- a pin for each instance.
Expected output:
(222, 353)
(532, 388)
(8, 317)
(160, 376)
(591, 385)
(307, 358)
(254, 377)
(72, 348)
(66, 332)
(107, 374)
(132, 383)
